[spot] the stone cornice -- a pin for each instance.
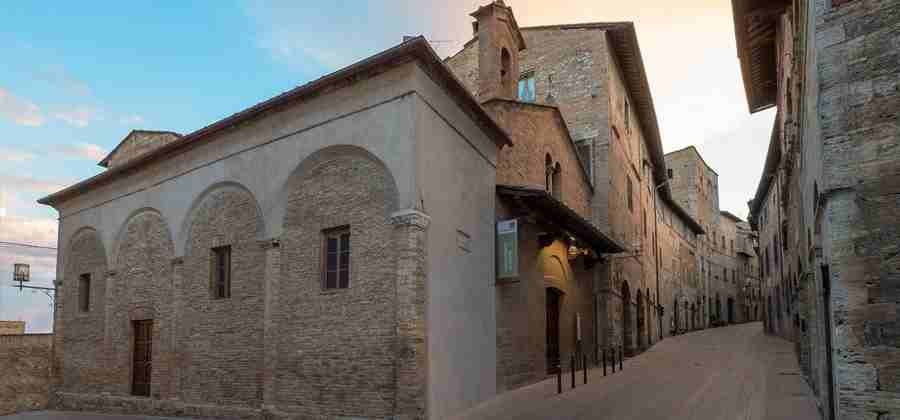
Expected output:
(410, 217)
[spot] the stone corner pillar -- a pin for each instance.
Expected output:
(175, 362)
(410, 246)
(272, 249)
(56, 348)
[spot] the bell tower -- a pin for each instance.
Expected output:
(499, 43)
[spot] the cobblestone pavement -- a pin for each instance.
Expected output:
(66, 415)
(734, 372)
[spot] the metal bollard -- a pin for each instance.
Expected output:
(573, 370)
(603, 353)
(559, 378)
(621, 357)
(584, 367)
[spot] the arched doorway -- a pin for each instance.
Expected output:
(627, 331)
(640, 320)
(693, 316)
(675, 315)
(648, 308)
(731, 310)
(554, 301)
(718, 308)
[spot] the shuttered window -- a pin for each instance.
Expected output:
(220, 272)
(336, 264)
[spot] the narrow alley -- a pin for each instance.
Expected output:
(734, 372)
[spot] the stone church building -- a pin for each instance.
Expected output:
(406, 237)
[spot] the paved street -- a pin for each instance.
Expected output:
(64, 415)
(734, 372)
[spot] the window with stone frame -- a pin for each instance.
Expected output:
(556, 180)
(548, 173)
(84, 292)
(527, 91)
(336, 258)
(220, 272)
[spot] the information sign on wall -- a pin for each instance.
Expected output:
(507, 249)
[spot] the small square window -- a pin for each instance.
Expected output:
(84, 292)
(336, 264)
(220, 272)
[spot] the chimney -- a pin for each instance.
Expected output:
(499, 43)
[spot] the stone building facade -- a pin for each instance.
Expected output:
(593, 75)
(213, 275)
(336, 251)
(826, 207)
(724, 255)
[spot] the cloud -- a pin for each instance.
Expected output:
(78, 116)
(131, 119)
(11, 183)
(307, 36)
(11, 155)
(35, 231)
(19, 110)
(58, 76)
(84, 151)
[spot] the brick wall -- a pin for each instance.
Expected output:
(220, 340)
(858, 79)
(337, 353)
(86, 360)
(25, 363)
(537, 132)
(12, 327)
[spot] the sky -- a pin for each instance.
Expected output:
(76, 77)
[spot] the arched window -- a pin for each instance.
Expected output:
(505, 67)
(556, 180)
(548, 173)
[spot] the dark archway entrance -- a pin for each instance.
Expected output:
(641, 334)
(554, 300)
(675, 315)
(731, 310)
(718, 308)
(142, 358)
(627, 328)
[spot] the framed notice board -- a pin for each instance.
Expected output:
(507, 249)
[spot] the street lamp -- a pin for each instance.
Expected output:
(21, 273)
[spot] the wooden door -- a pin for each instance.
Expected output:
(142, 366)
(552, 330)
